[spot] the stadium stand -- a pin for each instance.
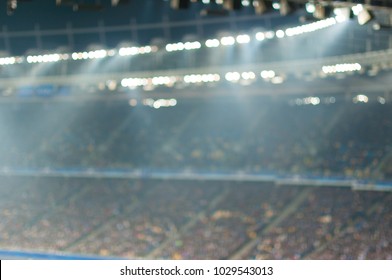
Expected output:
(272, 140)
(258, 137)
(193, 220)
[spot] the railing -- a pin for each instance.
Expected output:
(275, 178)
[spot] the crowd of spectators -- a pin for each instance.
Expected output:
(241, 212)
(192, 219)
(323, 216)
(164, 209)
(49, 214)
(188, 219)
(366, 237)
(256, 136)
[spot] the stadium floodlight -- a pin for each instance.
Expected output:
(269, 34)
(201, 78)
(341, 68)
(192, 45)
(243, 39)
(212, 43)
(227, 41)
(88, 55)
(248, 75)
(233, 77)
(7, 60)
(364, 17)
(267, 74)
(245, 3)
(357, 9)
(163, 80)
(310, 7)
(280, 34)
(276, 5)
(180, 4)
(342, 14)
(311, 100)
(260, 36)
(128, 51)
(361, 98)
(44, 58)
(311, 27)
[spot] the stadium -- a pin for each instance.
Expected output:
(178, 129)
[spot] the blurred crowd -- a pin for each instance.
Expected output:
(330, 218)
(196, 219)
(193, 219)
(254, 136)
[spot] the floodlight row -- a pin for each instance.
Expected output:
(233, 77)
(341, 68)
(180, 46)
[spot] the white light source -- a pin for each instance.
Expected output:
(310, 7)
(248, 75)
(233, 76)
(126, 51)
(227, 41)
(180, 46)
(342, 14)
(212, 43)
(243, 39)
(276, 5)
(260, 36)
(7, 60)
(315, 100)
(267, 74)
(280, 34)
(192, 45)
(357, 9)
(199, 78)
(134, 82)
(245, 3)
(361, 98)
(169, 48)
(364, 17)
(269, 34)
(341, 68)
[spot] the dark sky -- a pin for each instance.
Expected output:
(48, 15)
(45, 15)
